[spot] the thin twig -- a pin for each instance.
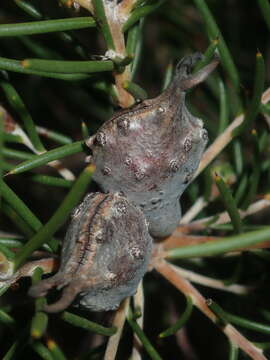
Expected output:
(119, 321)
(266, 96)
(15, 129)
(138, 304)
(210, 282)
(48, 265)
(171, 274)
(224, 139)
(178, 239)
(10, 235)
(224, 218)
(219, 144)
(63, 171)
(194, 210)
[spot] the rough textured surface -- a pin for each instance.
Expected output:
(104, 256)
(151, 151)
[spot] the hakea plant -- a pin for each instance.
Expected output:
(143, 158)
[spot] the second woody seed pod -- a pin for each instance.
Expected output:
(104, 255)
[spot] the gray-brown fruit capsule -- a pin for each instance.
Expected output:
(153, 150)
(104, 256)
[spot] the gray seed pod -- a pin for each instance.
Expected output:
(104, 256)
(151, 151)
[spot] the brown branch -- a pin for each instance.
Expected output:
(116, 20)
(171, 274)
(48, 265)
(210, 282)
(119, 321)
(194, 210)
(138, 304)
(224, 218)
(12, 127)
(225, 138)
(218, 145)
(180, 240)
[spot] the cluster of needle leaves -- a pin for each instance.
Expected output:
(65, 67)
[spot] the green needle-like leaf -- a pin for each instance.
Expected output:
(59, 217)
(229, 203)
(2, 140)
(103, 23)
(39, 321)
(42, 351)
(223, 107)
(7, 252)
(55, 136)
(140, 12)
(226, 244)
(29, 9)
(135, 90)
(134, 45)
(141, 335)
(85, 131)
(67, 67)
(254, 107)
(52, 181)
(214, 32)
(16, 66)
(39, 325)
(265, 10)
(48, 156)
(10, 243)
(17, 154)
(208, 55)
(55, 350)
(236, 320)
(46, 26)
(6, 319)
(19, 206)
(18, 105)
(87, 324)
(181, 322)
(233, 352)
(17, 220)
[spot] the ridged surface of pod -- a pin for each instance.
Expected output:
(104, 256)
